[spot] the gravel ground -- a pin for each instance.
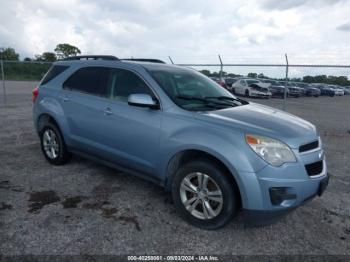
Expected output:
(86, 208)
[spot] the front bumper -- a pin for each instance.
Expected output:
(272, 191)
(278, 93)
(260, 94)
(267, 217)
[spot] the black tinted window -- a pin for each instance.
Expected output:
(124, 83)
(91, 80)
(52, 73)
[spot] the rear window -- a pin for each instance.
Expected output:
(52, 73)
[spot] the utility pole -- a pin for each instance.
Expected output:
(286, 85)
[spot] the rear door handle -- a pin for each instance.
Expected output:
(107, 111)
(64, 98)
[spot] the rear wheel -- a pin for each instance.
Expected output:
(204, 196)
(53, 146)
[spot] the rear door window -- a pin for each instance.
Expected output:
(90, 80)
(52, 73)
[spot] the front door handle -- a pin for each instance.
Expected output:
(107, 111)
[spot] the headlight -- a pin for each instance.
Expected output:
(272, 151)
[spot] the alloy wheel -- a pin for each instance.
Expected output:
(201, 196)
(50, 144)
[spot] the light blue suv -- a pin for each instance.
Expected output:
(216, 153)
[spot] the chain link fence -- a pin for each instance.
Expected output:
(283, 71)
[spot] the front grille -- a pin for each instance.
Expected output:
(308, 147)
(314, 169)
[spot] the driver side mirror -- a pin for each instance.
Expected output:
(142, 100)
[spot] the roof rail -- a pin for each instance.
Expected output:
(144, 60)
(91, 57)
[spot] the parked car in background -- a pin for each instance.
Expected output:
(346, 90)
(338, 91)
(221, 82)
(229, 81)
(310, 90)
(327, 90)
(293, 91)
(251, 88)
(276, 89)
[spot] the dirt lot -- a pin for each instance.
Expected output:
(85, 208)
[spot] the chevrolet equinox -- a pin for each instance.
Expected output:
(216, 153)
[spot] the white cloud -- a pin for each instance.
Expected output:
(189, 31)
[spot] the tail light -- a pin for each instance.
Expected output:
(35, 93)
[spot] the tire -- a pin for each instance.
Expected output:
(218, 181)
(54, 150)
(246, 93)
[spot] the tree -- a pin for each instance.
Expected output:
(252, 75)
(261, 75)
(205, 72)
(66, 50)
(46, 57)
(334, 80)
(8, 54)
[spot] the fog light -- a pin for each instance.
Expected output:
(280, 194)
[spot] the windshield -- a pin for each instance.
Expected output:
(192, 90)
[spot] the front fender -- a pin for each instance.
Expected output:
(228, 147)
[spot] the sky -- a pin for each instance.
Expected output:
(250, 31)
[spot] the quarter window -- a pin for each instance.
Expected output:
(90, 80)
(52, 73)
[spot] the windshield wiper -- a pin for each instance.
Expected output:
(228, 98)
(204, 100)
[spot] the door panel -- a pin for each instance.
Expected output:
(84, 113)
(83, 97)
(132, 136)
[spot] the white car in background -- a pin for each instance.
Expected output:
(337, 90)
(346, 90)
(251, 88)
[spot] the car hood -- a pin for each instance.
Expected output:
(266, 121)
(260, 88)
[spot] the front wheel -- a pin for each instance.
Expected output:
(204, 195)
